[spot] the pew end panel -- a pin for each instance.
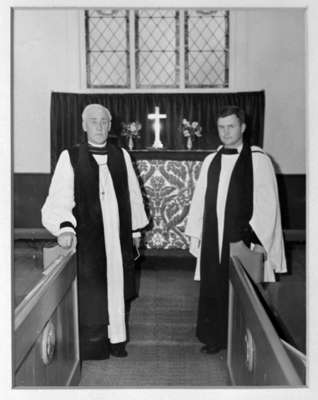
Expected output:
(46, 347)
(256, 355)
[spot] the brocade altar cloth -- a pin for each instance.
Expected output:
(168, 187)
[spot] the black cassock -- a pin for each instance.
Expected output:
(89, 189)
(213, 299)
(92, 271)
(249, 200)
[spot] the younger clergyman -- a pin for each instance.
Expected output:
(235, 200)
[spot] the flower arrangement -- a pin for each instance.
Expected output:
(131, 131)
(191, 130)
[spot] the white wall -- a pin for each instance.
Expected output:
(46, 58)
(268, 53)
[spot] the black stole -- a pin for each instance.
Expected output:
(212, 316)
(90, 232)
(238, 212)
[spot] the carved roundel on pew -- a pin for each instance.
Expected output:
(250, 351)
(48, 343)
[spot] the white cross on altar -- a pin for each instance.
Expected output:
(157, 117)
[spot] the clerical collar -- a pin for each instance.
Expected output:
(229, 151)
(96, 144)
(97, 148)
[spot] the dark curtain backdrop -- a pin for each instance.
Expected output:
(66, 121)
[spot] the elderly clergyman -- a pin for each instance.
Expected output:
(95, 204)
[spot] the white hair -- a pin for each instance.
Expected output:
(90, 106)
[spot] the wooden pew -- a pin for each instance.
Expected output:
(46, 346)
(256, 355)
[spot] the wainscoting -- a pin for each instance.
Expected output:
(30, 191)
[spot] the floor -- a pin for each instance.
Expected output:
(163, 350)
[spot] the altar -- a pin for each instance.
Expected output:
(168, 180)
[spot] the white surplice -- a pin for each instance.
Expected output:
(265, 221)
(58, 208)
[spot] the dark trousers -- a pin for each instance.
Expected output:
(94, 343)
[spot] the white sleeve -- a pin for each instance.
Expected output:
(266, 219)
(195, 216)
(60, 202)
(138, 215)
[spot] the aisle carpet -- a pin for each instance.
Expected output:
(163, 350)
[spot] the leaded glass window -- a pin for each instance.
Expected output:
(157, 48)
(206, 48)
(107, 44)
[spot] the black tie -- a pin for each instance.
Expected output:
(229, 151)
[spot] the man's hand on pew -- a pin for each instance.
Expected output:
(260, 249)
(251, 260)
(67, 240)
(237, 247)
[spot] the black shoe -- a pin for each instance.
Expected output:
(118, 350)
(206, 349)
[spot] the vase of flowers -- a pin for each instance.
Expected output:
(189, 143)
(131, 132)
(191, 131)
